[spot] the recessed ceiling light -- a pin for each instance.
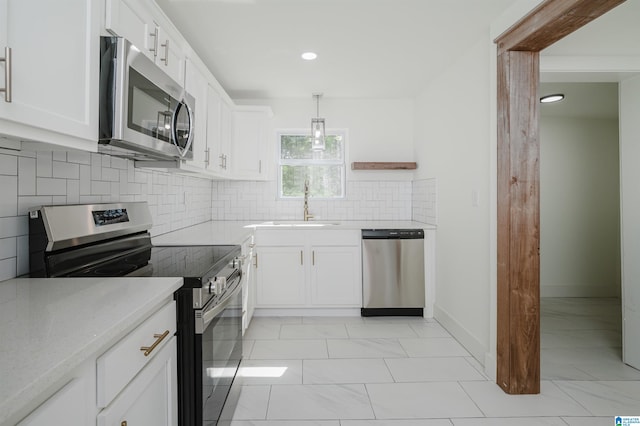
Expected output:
(309, 56)
(552, 98)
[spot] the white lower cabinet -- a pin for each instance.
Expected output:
(336, 276)
(68, 406)
(150, 399)
(122, 386)
(302, 269)
(281, 276)
(137, 377)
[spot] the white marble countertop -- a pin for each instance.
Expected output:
(235, 232)
(208, 233)
(50, 326)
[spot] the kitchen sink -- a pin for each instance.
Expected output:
(299, 224)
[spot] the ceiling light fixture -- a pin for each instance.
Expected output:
(309, 56)
(317, 127)
(552, 98)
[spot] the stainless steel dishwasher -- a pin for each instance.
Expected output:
(392, 272)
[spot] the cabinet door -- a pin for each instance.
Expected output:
(170, 58)
(214, 131)
(54, 69)
(249, 144)
(281, 276)
(127, 19)
(66, 407)
(226, 136)
(196, 85)
(151, 397)
(336, 276)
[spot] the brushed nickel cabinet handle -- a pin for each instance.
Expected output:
(313, 258)
(301, 258)
(7, 74)
(256, 256)
(159, 338)
(207, 153)
(166, 53)
(154, 49)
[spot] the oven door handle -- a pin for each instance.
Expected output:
(207, 314)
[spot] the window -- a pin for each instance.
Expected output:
(324, 169)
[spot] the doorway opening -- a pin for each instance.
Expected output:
(580, 280)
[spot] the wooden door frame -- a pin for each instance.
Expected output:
(518, 184)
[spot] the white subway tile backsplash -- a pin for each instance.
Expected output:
(8, 165)
(51, 186)
(13, 226)
(9, 197)
(43, 164)
(79, 157)
(29, 203)
(7, 269)
(22, 244)
(65, 170)
(49, 178)
(7, 248)
(365, 200)
(26, 176)
(425, 201)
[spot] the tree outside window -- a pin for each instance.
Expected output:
(325, 170)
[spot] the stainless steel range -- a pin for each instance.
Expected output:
(110, 240)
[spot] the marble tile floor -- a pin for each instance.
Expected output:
(403, 371)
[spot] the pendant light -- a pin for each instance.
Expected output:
(317, 127)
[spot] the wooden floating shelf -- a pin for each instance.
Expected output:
(384, 166)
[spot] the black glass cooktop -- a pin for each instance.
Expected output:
(137, 257)
(196, 264)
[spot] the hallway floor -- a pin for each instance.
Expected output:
(401, 371)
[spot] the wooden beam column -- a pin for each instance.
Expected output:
(518, 305)
(518, 336)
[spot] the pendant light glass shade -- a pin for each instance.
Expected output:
(317, 128)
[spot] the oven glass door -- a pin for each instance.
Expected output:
(221, 356)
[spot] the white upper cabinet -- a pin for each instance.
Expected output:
(250, 149)
(196, 85)
(146, 27)
(52, 73)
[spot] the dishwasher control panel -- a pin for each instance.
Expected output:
(390, 234)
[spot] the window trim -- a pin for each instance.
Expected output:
(301, 162)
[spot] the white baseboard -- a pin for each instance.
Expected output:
(549, 290)
(461, 334)
(306, 312)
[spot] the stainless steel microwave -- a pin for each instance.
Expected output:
(144, 113)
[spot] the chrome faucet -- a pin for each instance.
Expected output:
(307, 216)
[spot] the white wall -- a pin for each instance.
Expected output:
(579, 207)
(452, 139)
(378, 129)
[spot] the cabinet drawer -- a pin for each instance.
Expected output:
(117, 366)
(334, 238)
(286, 237)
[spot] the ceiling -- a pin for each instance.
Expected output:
(584, 100)
(379, 48)
(366, 48)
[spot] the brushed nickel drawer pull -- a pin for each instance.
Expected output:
(7, 74)
(313, 258)
(159, 338)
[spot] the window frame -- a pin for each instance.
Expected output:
(310, 162)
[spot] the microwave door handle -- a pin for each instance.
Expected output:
(174, 128)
